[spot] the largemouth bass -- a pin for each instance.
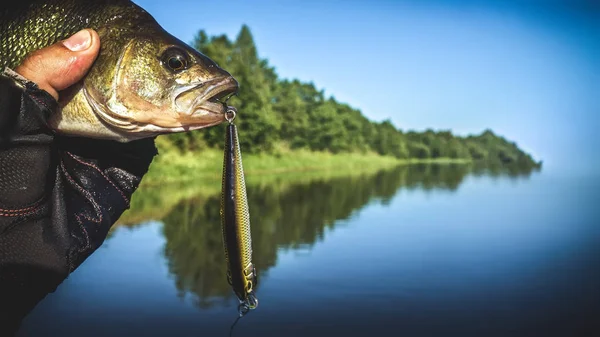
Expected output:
(144, 82)
(235, 222)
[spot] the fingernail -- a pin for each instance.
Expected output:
(80, 41)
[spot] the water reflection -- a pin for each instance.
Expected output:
(284, 216)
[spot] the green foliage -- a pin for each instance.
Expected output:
(280, 113)
(418, 150)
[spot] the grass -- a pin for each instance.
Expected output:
(172, 166)
(175, 176)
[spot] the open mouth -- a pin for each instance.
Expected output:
(224, 95)
(215, 99)
(207, 98)
(223, 91)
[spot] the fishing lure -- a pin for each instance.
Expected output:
(235, 222)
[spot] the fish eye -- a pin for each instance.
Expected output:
(175, 59)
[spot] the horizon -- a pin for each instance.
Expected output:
(524, 70)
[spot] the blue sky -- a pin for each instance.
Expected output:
(528, 70)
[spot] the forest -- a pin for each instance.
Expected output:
(288, 114)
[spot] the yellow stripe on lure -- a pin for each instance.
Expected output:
(235, 222)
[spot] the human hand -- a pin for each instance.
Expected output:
(91, 180)
(59, 195)
(62, 64)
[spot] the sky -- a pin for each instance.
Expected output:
(528, 70)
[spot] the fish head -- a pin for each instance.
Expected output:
(148, 83)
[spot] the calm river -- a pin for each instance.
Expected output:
(413, 251)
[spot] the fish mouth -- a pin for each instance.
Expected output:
(217, 92)
(222, 94)
(193, 106)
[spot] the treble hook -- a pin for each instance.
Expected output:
(242, 311)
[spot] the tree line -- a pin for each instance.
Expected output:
(281, 113)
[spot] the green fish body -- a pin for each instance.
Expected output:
(144, 82)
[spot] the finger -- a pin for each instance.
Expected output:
(62, 64)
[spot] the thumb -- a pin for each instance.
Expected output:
(62, 64)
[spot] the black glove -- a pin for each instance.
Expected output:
(59, 196)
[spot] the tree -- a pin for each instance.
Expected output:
(296, 113)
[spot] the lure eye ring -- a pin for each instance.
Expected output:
(230, 114)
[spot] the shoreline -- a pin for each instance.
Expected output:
(196, 177)
(173, 167)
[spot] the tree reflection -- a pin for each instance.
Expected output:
(283, 216)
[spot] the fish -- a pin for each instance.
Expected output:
(235, 222)
(144, 82)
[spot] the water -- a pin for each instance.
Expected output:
(414, 251)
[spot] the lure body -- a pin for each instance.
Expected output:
(235, 223)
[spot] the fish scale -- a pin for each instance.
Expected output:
(242, 210)
(33, 25)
